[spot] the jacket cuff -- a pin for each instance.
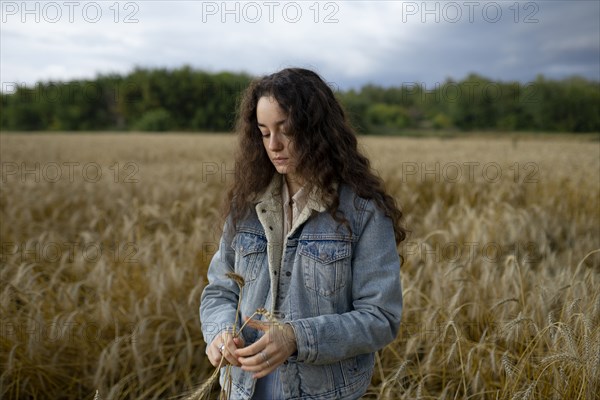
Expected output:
(304, 337)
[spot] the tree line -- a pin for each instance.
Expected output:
(186, 99)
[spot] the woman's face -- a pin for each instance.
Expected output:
(271, 120)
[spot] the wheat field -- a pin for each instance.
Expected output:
(105, 241)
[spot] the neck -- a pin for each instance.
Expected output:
(293, 183)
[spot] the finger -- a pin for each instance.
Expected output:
(254, 348)
(212, 351)
(214, 356)
(258, 361)
(225, 352)
(264, 372)
(255, 361)
(259, 365)
(229, 352)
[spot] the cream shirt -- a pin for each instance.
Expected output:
(293, 210)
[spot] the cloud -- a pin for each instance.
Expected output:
(350, 43)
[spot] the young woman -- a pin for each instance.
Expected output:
(314, 235)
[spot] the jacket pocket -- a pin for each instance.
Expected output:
(250, 252)
(325, 264)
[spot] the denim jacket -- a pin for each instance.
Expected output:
(344, 301)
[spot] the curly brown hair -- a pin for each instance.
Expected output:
(324, 143)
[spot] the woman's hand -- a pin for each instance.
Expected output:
(223, 346)
(270, 351)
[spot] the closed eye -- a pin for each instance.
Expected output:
(277, 124)
(263, 131)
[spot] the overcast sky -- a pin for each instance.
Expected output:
(350, 43)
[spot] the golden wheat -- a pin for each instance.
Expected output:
(106, 239)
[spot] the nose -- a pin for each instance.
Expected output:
(275, 142)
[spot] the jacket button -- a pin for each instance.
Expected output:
(271, 228)
(263, 211)
(288, 273)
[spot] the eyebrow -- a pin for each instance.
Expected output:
(276, 123)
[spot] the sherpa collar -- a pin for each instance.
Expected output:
(271, 198)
